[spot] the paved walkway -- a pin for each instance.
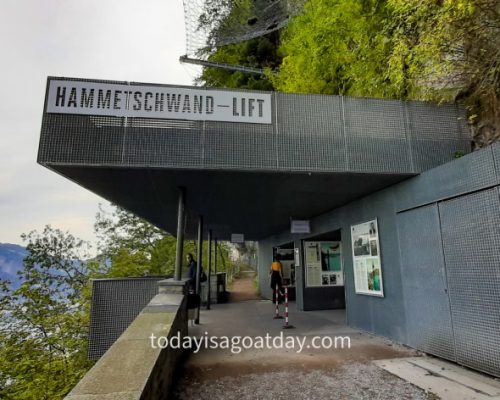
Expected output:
(446, 380)
(372, 368)
(288, 373)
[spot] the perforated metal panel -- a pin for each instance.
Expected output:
(239, 146)
(376, 135)
(464, 175)
(79, 139)
(427, 309)
(115, 304)
(145, 143)
(471, 236)
(436, 133)
(441, 270)
(495, 148)
(310, 133)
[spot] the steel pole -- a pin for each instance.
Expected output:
(215, 261)
(199, 264)
(180, 234)
(209, 289)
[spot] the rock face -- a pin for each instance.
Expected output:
(486, 132)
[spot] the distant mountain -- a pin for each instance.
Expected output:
(11, 261)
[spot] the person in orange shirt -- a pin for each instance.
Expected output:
(276, 275)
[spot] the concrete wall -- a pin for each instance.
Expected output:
(132, 369)
(439, 235)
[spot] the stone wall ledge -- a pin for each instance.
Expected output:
(132, 369)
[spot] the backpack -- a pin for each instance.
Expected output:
(203, 276)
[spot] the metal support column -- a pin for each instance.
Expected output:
(180, 234)
(215, 261)
(199, 264)
(209, 268)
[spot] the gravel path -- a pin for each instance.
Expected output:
(275, 374)
(351, 381)
(243, 288)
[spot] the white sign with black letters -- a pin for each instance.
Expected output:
(164, 102)
(300, 226)
(237, 238)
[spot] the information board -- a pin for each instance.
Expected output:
(366, 259)
(323, 263)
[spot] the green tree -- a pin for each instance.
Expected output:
(131, 246)
(44, 323)
(257, 53)
(224, 20)
(336, 47)
(451, 50)
(43, 331)
(446, 50)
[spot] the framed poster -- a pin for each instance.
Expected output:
(366, 259)
(323, 263)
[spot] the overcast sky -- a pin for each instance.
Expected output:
(126, 40)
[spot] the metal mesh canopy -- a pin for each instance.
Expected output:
(214, 23)
(317, 153)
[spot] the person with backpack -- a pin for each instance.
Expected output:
(193, 298)
(192, 266)
(276, 275)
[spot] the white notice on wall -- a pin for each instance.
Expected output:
(237, 238)
(366, 258)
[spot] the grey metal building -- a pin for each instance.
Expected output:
(439, 235)
(318, 152)
(252, 162)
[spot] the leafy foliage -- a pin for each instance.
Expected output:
(44, 322)
(134, 247)
(441, 50)
(218, 19)
(335, 47)
(257, 53)
(131, 246)
(43, 333)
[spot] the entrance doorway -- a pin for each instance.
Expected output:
(286, 253)
(323, 272)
